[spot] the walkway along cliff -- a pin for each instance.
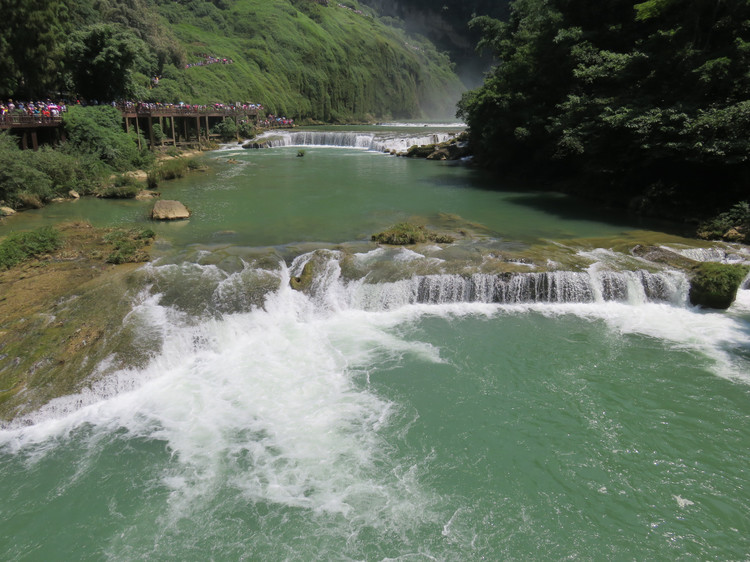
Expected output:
(179, 125)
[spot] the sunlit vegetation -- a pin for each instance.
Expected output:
(299, 58)
(21, 246)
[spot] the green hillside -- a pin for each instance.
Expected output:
(299, 58)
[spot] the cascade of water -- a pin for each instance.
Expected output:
(561, 287)
(369, 141)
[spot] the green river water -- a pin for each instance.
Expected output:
(391, 412)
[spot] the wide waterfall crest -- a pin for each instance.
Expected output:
(350, 139)
(594, 285)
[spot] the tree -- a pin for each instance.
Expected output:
(30, 46)
(102, 59)
(645, 104)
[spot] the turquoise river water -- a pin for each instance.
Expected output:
(412, 404)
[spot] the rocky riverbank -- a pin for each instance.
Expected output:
(57, 312)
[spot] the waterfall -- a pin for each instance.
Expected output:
(557, 287)
(368, 141)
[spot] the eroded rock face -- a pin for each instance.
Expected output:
(166, 209)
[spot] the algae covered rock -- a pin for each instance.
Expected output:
(166, 209)
(714, 285)
(304, 281)
(406, 233)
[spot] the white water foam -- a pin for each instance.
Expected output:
(274, 402)
(380, 142)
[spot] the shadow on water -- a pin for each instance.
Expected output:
(547, 199)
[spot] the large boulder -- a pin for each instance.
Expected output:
(6, 212)
(166, 209)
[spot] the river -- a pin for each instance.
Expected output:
(411, 404)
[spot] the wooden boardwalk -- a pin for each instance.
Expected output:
(179, 125)
(184, 125)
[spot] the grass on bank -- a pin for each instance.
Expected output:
(129, 246)
(21, 246)
(170, 169)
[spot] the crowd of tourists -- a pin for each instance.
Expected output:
(143, 107)
(46, 108)
(209, 59)
(42, 111)
(275, 121)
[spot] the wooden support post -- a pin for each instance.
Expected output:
(127, 124)
(207, 129)
(174, 138)
(25, 140)
(138, 132)
(198, 127)
(34, 140)
(151, 141)
(237, 126)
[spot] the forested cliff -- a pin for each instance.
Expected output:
(301, 58)
(644, 104)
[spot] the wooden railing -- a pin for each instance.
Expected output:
(11, 120)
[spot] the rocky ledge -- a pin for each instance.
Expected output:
(453, 149)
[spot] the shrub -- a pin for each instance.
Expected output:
(737, 217)
(128, 246)
(226, 129)
(98, 131)
(124, 187)
(21, 246)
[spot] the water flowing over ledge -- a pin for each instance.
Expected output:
(380, 142)
(562, 287)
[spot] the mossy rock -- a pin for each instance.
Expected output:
(422, 151)
(406, 233)
(304, 281)
(715, 285)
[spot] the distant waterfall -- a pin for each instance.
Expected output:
(368, 141)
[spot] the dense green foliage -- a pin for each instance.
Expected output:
(299, 58)
(96, 147)
(97, 131)
(645, 104)
(30, 179)
(31, 45)
(18, 247)
(733, 224)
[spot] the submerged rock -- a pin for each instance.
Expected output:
(169, 210)
(144, 194)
